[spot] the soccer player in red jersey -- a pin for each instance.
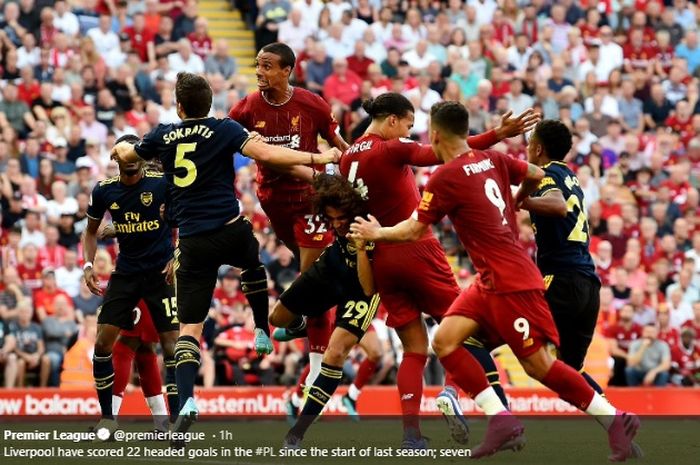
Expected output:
(139, 344)
(411, 278)
(506, 303)
(292, 117)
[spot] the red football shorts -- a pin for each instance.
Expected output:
(144, 329)
(293, 220)
(413, 278)
(520, 319)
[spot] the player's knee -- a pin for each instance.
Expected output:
(373, 352)
(537, 365)
(335, 355)
(443, 346)
(103, 347)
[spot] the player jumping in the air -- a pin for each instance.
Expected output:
(291, 117)
(507, 301)
(415, 278)
(196, 155)
(133, 200)
(341, 277)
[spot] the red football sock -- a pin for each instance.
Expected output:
(569, 384)
(409, 380)
(465, 371)
(302, 379)
(364, 373)
(122, 360)
(450, 382)
(149, 373)
(318, 330)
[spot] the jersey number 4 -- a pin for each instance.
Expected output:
(359, 184)
(182, 162)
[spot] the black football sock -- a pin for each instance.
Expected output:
(591, 382)
(484, 358)
(254, 286)
(317, 397)
(187, 367)
(171, 388)
(103, 372)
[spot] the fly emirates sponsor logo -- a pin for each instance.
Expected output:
(291, 141)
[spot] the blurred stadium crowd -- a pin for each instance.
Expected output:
(622, 74)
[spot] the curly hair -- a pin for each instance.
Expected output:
(335, 191)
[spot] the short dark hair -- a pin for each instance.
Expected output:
(283, 51)
(336, 191)
(194, 94)
(130, 138)
(389, 103)
(452, 117)
(555, 137)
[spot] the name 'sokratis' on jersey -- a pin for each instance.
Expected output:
(197, 158)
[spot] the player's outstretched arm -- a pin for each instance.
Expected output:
(552, 204)
(529, 185)
(260, 151)
(89, 241)
(511, 127)
(364, 267)
(408, 230)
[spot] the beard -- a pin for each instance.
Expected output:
(132, 172)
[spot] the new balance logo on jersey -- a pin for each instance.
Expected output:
(114, 206)
(407, 396)
(260, 125)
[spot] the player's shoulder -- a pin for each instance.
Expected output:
(107, 183)
(306, 97)
(559, 174)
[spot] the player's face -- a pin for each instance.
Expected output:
(399, 127)
(130, 169)
(534, 150)
(269, 73)
(338, 220)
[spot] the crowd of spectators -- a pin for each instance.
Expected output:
(623, 75)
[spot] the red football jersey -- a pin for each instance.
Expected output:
(474, 192)
(296, 124)
(381, 169)
(624, 336)
(31, 277)
(670, 336)
(685, 361)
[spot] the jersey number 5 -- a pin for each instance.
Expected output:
(182, 162)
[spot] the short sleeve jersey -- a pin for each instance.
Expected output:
(562, 243)
(197, 158)
(145, 241)
(473, 190)
(296, 124)
(380, 169)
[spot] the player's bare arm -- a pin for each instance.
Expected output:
(530, 184)
(89, 240)
(364, 267)
(260, 151)
(552, 204)
(511, 127)
(408, 230)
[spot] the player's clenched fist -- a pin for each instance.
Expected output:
(364, 230)
(121, 150)
(329, 156)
